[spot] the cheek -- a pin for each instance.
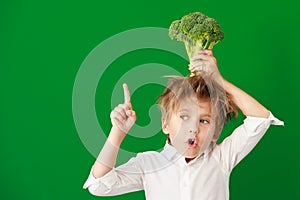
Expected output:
(177, 131)
(205, 133)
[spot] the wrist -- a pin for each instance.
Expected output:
(218, 78)
(227, 86)
(116, 136)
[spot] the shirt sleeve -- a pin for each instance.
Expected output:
(123, 179)
(244, 138)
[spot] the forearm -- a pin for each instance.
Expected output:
(247, 104)
(108, 155)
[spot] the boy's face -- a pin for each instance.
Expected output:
(188, 127)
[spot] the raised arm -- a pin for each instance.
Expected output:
(248, 105)
(122, 118)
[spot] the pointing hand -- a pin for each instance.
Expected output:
(123, 117)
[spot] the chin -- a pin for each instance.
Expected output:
(191, 154)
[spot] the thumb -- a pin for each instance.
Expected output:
(130, 113)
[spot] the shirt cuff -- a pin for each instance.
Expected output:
(108, 179)
(255, 124)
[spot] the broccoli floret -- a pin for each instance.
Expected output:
(197, 31)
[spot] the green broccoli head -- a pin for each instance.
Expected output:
(197, 31)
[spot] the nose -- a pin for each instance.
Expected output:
(193, 131)
(194, 127)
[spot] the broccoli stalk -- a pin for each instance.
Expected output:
(197, 31)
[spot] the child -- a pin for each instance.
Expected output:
(191, 165)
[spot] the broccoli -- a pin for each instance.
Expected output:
(197, 31)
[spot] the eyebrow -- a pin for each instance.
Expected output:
(205, 115)
(183, 110)
(201, 115)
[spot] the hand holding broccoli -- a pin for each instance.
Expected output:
(197, 31)
(204, 61)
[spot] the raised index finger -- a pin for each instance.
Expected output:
(126, 93)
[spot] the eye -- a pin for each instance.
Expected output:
(204, 121)
(184, 117)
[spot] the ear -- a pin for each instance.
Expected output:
(216, 137)
(164, 125)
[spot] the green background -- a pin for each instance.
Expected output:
(43, 44)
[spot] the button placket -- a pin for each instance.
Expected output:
(186, 193)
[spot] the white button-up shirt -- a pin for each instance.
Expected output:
(166, 175)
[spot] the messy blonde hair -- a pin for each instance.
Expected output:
(204, 87)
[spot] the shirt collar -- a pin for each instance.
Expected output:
(170, 152)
